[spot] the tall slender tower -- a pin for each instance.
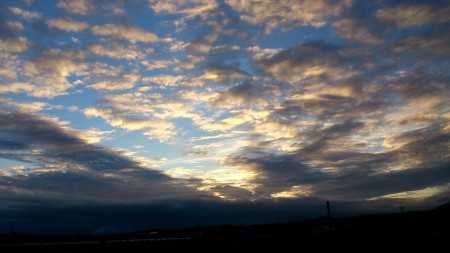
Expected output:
(11, 231)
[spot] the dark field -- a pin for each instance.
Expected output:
(292, 244)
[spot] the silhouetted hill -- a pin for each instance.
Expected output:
(410, 229)
(445, 208)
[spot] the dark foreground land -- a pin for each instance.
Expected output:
(425, 230)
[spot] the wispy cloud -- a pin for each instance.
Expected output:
(117, 51)
(17, 45)
(67, 24)
(273, 14)
(51, 71)
(131, 34)
(408, 15)
(119, 111)
(23, 13)
(81, 7)
(126, 82)
(190, 9)
(44, 139)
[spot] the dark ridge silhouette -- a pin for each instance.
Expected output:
(430, 229)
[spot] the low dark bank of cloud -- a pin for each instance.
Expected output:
(45, 216)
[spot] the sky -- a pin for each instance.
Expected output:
(125, 115)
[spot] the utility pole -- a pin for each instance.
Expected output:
(402, 209)
(329, 216)
(12, 228)
(328, 210)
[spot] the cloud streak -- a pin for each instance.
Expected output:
(131, 34)
(67, 24)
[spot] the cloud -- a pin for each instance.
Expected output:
(117, 51)
(189, 9)
(81, 7)
(92, 135)
(67, 24)
(418, 194)
(8, 67)
(150, 113)
(225, 74)
(50, 72)
(249, 93)
(336, 175)
(271, 129)
(130, 124)
(15, 25)
(222, 75)
(131, 34)
(294, 192)
(226, 183)
(432, 152)
(172, 109)
(237, 119)
(64, 164)
(204, 149)
(162, 64)
(30, 15)
(328, 151)
(51, 185)
(429, 44)
(196, 47)
(28, 2)
(359, 23)
(407, 180)
(22, 106)
(353, 29)
(261, 53)
(120, 111)
(17, 45)
(126, 82)
(103, 70)
(286, 12)
(218, 136)
(420, 84)
(409, 15)
(73, 108)
(198, 96)
(46, 141)
(95, 217)
(312, 60)
(89, 7)
(167, 80)
(190, 63)
(275, 174)
(17, 88)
